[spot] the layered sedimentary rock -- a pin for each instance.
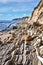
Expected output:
(24, 45)
(37, 14)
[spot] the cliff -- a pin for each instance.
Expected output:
(37, 14)
(23, 45)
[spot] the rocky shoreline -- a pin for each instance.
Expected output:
(23, 45)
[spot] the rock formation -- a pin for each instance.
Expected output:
(23, 45)
(37, 14)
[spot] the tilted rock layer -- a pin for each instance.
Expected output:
(24, 45)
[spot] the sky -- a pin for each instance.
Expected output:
(10, 9)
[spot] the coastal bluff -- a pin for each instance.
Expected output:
(23, 44)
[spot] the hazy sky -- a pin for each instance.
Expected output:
(10, 9)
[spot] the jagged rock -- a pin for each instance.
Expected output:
(37, 24)
(9, 40)
(24, 31)
(7, 37)
(14, 27)
(41, 50)
(23, 45)
(37, 14)
(41, 27)
(26, 37)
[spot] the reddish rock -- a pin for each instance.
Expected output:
(26, 37)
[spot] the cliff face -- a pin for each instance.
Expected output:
(37, 14)
(23, 45)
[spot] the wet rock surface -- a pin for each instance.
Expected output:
(24, 44)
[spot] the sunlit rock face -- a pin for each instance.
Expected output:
(40, 19)
(37, 14)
